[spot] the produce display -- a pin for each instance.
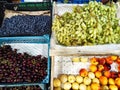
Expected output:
(22, 88)
(98, 76)
(90, 24)
(26, 25)
(16, 67)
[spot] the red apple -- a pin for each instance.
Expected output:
(109, 60)
(83, 72)
(102, 61)
(118, 74)
(118, 60)
(107, 67)
(114, 74)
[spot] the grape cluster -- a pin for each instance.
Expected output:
(26, 25)
(91, 24)
(22, 88)
(21, 67)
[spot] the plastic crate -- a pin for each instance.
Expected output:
(28, 7)
(42, 86)
(39, 40)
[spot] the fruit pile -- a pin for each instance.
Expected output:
(21, 67)
(90, 24)
(26, 25)
(22, 88)
(98, 76)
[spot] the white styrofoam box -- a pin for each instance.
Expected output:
(64, 65)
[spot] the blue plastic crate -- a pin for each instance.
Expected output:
(25, 39)
(29, 40)
(42, 86)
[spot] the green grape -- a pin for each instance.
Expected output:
(90, 24)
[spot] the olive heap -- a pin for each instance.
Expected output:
(90, 24)
(22, 88)
(21, 67)
(26, 25)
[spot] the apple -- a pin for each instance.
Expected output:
(94, 61)
(114, 74)
(107, 67)
(83, 72)
(117, 82)
(105, 87)
(79, 79)
(102, 61)
(56, 82)
(71, 78)
(91, 75)
(100, 67)
(103, 80)
(111, 81)
(76, 59)
(83, 59)
(113, 87)
(109, 60)
(107, 74)
(114, 58)
(98, 74)
(67, 86)
(95, 86)
(57, 88)
(95, 80)
(118, 74)
(75, 86)
(118, 60)
(82, 87)
(63, 78)
(87, 81)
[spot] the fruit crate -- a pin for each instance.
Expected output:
(60, 9)
(33, 47)
(64, 67)
(37, 14)
(29, 6)
(20, 87)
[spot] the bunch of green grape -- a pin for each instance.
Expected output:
(91, 24)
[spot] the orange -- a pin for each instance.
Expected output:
(93, 68)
